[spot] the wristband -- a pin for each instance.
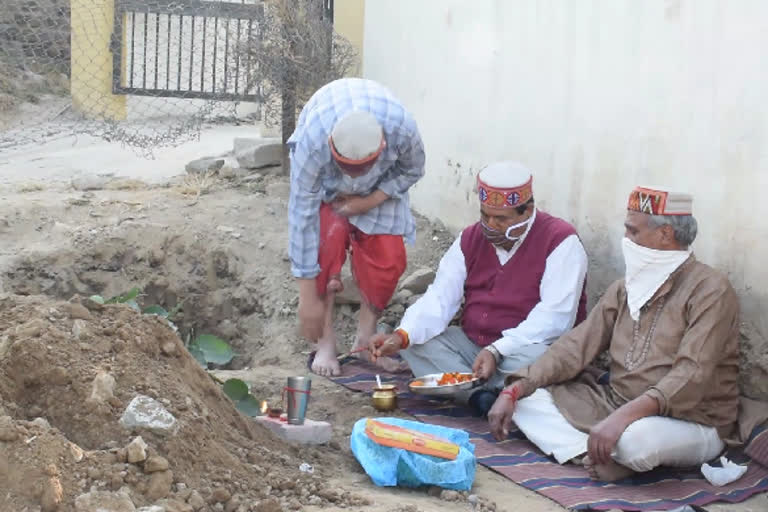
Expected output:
(404, 340)
(511, 393)
(494, 352)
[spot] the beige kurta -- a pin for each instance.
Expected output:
(692, 362)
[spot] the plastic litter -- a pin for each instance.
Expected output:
(388, 466)
(729, 472)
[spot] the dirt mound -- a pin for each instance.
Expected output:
(68, 370)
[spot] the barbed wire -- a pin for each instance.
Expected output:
(143, 73)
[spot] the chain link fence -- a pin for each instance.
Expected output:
(144, 73)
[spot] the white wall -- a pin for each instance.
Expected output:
(596, 97)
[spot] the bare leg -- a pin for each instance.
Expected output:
(607, 472)
(325, 362)
(366, 328)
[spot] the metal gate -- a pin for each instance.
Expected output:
(187, 48)
(184, 48)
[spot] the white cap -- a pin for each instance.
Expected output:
(507, 174)
(357, 135)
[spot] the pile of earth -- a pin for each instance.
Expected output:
(68, 372)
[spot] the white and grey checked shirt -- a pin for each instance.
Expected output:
(315, 178)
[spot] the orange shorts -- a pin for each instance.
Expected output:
(378, 261)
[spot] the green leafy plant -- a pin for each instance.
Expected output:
(207, 348)
(128, 298)
(245, 402)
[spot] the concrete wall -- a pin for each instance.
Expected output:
(348, 20)
(596, 97)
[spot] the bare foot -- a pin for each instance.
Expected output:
(325, 362)
(606, 472)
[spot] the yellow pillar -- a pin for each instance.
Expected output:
(91, 60)
(348, 20)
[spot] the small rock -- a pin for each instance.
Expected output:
(418, 281)
(402, 296)
(156, 463)
(396, 309)
(258, 153)
(94, 473)
(103, 387)
(196, 501)
(8, 431)
(90, 182)
(204, 165)
(121, 455)
(315, 501)
(350, 294)
(76, 311)
(221, 495)
(412, 299)
(42, 423)
(159, 485)
(52, 496)
(79, 329)
(152, 508)
(76, 452)
(146, 412)
(233, 504)
(174, 505)
(101, 501)
(136, 450)
(168, 348)
(449, 495)
(225, 229)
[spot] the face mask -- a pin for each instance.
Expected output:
(501, 237)
(646, 270)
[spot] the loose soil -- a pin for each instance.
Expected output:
(218, 247)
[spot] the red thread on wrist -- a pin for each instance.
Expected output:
(512, 393)
(404, 340)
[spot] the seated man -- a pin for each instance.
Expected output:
(671, 327)
(354, 155)
(520, 273)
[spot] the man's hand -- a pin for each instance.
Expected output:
(500, 415)
(604, 436)
(311, 310)
(485, 365)
(383, 345)
(350, 206)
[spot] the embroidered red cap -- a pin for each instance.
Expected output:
(505, 185)
(658, 201)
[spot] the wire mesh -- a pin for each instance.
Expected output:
(144, 73)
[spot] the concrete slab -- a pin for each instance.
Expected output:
(311, 432)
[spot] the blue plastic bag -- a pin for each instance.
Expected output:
(389, 466)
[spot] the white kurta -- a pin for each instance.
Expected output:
(560, 291)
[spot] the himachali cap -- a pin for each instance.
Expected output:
(356, 141)
(505, 185)
(658, 201)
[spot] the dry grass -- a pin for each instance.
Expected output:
(32, 186)
(198, 184)
(126, 184)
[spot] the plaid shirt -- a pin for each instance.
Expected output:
(315, 178)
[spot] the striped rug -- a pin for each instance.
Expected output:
(569, 485)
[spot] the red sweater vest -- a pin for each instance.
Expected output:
(499, 297)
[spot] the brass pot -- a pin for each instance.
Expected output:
(385, 398)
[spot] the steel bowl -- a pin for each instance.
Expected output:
(431, 388)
